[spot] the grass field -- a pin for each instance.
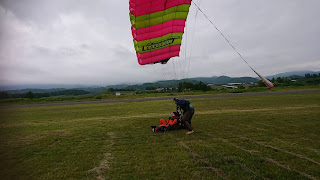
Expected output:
(249, 137)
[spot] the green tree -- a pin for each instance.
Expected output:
(150, 88)
(261, 84)
(183, 86)
(29, 95)
(4, 95)
(279, 80)
(111, 90)
(201, 86)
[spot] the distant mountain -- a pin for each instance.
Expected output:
(91, 90)
(48, 88)
(23, 91)
(294, 73)
(159, 84)
(44, 86)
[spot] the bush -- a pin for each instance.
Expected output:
(98, 97)
(236, 91)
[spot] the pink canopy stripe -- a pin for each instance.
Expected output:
(158, 55)
(143, 7)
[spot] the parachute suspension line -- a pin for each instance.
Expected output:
(265, 81)
(192, 38)
(221, 34)
(177, 70)
(174, 70)
(185, 51)
(187, 37)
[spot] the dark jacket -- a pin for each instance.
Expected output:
(184, 106)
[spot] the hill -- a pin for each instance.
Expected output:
(293, 73)
(207, 80)
(225, 80)
(145, 86)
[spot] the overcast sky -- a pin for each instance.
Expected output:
(90, 42)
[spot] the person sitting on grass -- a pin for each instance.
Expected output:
(171, 124)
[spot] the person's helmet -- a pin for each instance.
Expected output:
(175, 99)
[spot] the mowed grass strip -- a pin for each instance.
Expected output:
(252, 137)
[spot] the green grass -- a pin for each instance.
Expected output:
(251, 137)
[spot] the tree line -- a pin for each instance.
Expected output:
(188, 86)
(308, 79)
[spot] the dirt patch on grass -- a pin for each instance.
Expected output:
(103, 166)
(106, 160)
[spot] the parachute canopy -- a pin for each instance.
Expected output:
(157, 27)
(265, 80)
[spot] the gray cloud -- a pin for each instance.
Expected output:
(81, 42)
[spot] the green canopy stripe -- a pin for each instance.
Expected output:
(176, 12)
